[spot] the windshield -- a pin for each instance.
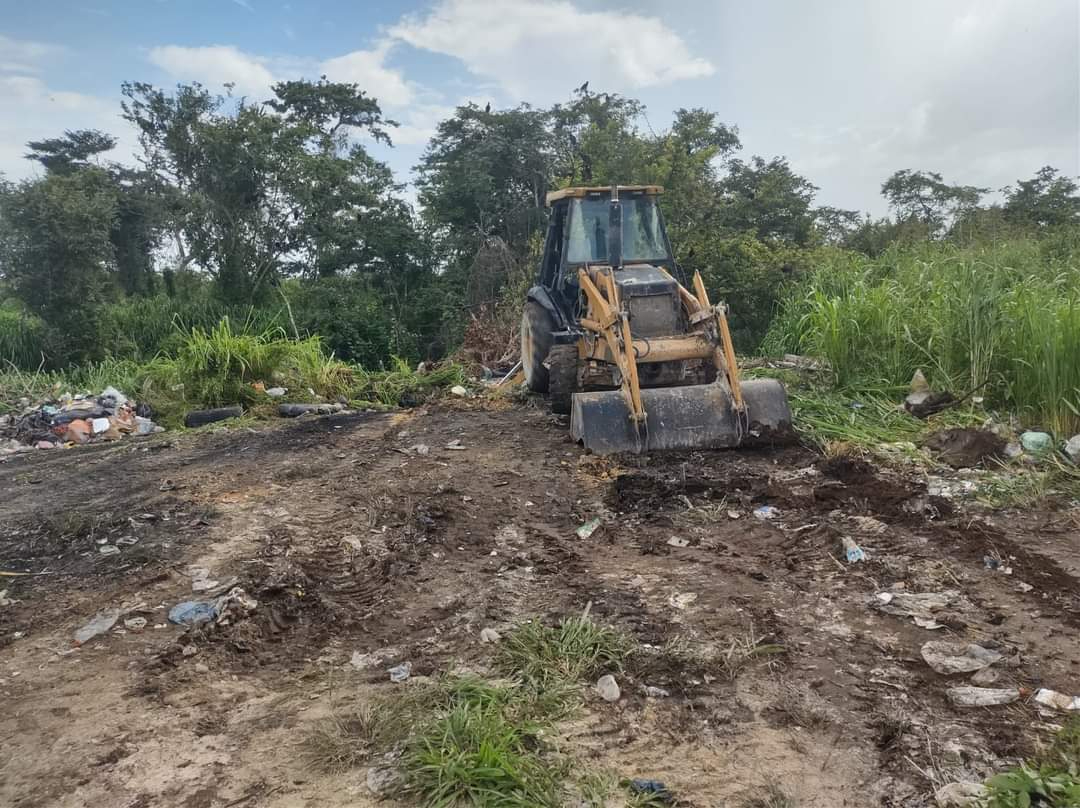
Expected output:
(642, 236)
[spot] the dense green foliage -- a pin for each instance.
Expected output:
(1000, 320)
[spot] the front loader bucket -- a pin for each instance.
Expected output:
(699, 416)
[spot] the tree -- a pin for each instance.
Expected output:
(56, 254)
(769, 200)
(257, 192)
(1046, 200)
(485, 175)
(836, 226)
(927, 198)
(75, 150)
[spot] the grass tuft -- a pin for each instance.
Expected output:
(574, 650)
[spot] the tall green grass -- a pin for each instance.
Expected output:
(1003, 320)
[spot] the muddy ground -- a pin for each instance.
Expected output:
(350, 541)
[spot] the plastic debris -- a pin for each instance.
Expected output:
(193, 612)
(276, 392)
(968, 696)
(1059, 701)
(681, 600)
(766, 512)
(853, 551)
(921, 607)
(654, 692)
(99, 624)
(400, 673)
(1036, 442)
(70, 420)
(135, 623)
(958, 657)
(608, 688)
(459, 391)
(489, 635)
(420, 449)
(654, 788)
(678, 541)
(455, 445)
(587, 529)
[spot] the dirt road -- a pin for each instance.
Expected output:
(353, 541)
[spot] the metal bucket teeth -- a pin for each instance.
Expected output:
(694, 417)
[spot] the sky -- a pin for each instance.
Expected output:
(983, 91)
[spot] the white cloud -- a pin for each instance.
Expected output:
(25, 56)
(32, 109)
(368, 69)
(541, 50)
(214, 65)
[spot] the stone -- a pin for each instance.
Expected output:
(382, 780)
(959, 795)
(459, 391)
(608, 688)
(1036, 442)
(1072, 449)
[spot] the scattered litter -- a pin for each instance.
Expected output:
(678, 541)
(958, 657)
(276, 392)
(363, 661)
(869, 524)
(1036, 442)
(766, 512)
(459, 391)
(193, 612)
(1059, 701)
(608, 688)
(654, 692)
(921, 607)
(654, 788)
(189, 650)
(400, 673)
(734, 515)
(135, 623)
(420, 449)
(226, 609)
(923, 402)
(489, 635)
(987, 676)
(70, 420)
(108, 549)
(968, 696)
(853, 551)
(587, 529)
(5, 600)
(99, 624)
(996, 563)
(455, 445)
(1013, 450)
(1023, 586)
(680, 600)
(959, 795)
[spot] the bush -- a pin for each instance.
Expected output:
(23, 339)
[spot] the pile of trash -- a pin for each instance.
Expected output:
(75, 420)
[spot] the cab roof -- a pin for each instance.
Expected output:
(567, 193)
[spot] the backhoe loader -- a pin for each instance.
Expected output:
(638, 361)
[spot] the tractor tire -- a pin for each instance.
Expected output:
(536, 337)
(562, 377)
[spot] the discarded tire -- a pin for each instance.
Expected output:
(204, 417)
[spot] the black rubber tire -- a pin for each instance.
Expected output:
(536, 337)
(562, 377)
